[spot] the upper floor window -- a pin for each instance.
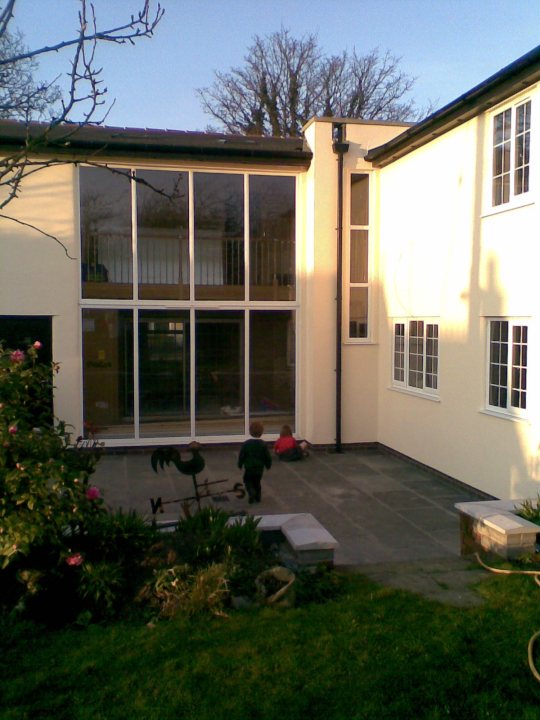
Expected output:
(144, 237)
(507, 360)
(359, 256)
(511, 153)
(415, 363)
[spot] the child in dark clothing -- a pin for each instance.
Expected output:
(254, 457)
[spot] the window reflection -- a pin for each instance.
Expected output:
(219, 236)
(106, 256)
(164, 388)
(358, 312)
(162, 235)
(272, 368)
(219, 368)
(272, 237)
(108, 372)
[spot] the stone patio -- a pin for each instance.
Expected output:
(393, 520)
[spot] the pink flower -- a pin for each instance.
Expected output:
(75, 559)
(93, 493)
(37, 345)
(17, 356)
(13, 429)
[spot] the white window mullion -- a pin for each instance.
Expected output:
(136, 397)
(246, 238)
(246, 370)
(134, 238)
(191, 237)
(192, 370)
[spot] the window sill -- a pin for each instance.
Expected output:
(415, 393)
(359, 341)
(507, 207)
(505, 416)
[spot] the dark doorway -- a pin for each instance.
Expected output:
(19, 331)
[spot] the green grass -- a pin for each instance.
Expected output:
(374, 653)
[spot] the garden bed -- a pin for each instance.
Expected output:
(493, 526)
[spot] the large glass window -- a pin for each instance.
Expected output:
(511, 153)
(180, 349)
(219, 367)
(272, 368)
(108, 372)
(162, 235)
(359, 257)
(507, 376)
(164, 373)
(219, 236)
(106, 255)
(272, 237)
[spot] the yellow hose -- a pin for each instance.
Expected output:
(532, 641)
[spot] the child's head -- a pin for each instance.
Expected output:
(286, 431)
(256, 429)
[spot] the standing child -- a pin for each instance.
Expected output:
(254, 457)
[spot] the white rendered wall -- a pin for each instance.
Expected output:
(38, 278)
(318, 300)
(445, 253)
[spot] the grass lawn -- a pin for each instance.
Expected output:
(372, 653)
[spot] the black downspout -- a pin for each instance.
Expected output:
(340, 147)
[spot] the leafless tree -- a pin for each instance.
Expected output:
(83, 103)
(21, 96)
(285, 81)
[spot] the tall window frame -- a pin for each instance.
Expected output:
(358, 260)
(511, 154)
(281, 299)
(507, 365)
(415, 355)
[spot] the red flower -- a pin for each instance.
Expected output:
(93, 493)
(17, 356)
(75, 559)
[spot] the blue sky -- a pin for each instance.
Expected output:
(448, 45)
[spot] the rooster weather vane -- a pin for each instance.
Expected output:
(194, 466)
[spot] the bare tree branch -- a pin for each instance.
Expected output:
(85, 97)
(140, 25)
(39, 230)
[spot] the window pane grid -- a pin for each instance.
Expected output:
(416, 355)
(522, 148)
(399, 352)
(155, 372)
(511, 153)
(508, 350)
(358, 261)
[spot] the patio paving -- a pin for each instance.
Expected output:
(394, 521)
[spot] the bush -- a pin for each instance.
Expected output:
(204, 562)
(61, 552)
(206, 539)
(530, 510)
(179, 589)
(318, 585)
(44, 479)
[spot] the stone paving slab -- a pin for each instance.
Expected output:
(447, 580)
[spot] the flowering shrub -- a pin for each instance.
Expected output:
(45, 499)
(43, 478)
